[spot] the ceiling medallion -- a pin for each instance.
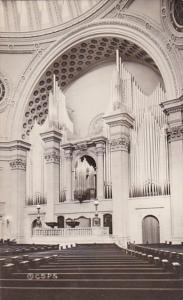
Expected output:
(4, 92)
(176, 14)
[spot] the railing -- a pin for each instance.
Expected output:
(72, 232)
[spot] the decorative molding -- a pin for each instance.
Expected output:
(18, 164)
(120, 144)
(4, 91)
(119, 9)
(95, 12)
(172, 106)
(52, 157)
(175, 134)
(169, 63)
(170, 26)
(82, 147)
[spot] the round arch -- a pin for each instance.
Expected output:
(150, 229)
(152, 41)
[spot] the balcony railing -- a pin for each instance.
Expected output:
(72, 232)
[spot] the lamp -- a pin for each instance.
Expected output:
(38, 215)
(96, 203)
(96, 219)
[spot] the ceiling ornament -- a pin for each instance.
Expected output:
(4, 92)
(172, 16)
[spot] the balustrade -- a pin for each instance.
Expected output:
(72, 232)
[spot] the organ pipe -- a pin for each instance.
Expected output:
(149, 168)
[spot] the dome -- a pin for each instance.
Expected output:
(23, 15)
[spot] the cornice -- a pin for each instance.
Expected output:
(172, 106)
(119, 119)
(51, 135)
(15, 145)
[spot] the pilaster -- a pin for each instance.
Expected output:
(100, 150)
(174, 110)
(52, 141)
(68, 149)
(14, 155)
(119, 125)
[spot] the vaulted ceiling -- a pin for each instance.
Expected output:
(72, 64)
(29, 15)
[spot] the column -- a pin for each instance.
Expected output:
(100, 150)
(68, 156)
(52, 141)
(14, 219)
(119, 128)
(174, 110)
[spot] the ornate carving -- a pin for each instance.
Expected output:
(52, 157)
(18, 164)
(121, 143)
(175, 134)
(81, 147)
(4, 91)
(169, 21)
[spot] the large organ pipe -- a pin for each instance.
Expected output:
(149, 167)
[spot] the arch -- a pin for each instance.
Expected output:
(150, 230)
(107, 221)
(84, 221)
(152, 41)
(85, 178)
(60, 221)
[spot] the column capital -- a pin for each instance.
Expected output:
(121, 143)
(18, 164)
(52, 157)
(175, 133)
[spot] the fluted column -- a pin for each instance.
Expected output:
(52, 141)
(17, 180)
(119, 127)
(68, 156)
(100, 150)
(174, 111)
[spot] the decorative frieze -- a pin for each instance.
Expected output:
(175, 134)
(120, 144)
(18, 164)
(52, 157)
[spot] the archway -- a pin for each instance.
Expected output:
(60, 221)
(107, 220)
(150, 230)
(167, 62)
(85, 179)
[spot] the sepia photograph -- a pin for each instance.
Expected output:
(91, 149)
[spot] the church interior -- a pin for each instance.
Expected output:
(91, 136)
